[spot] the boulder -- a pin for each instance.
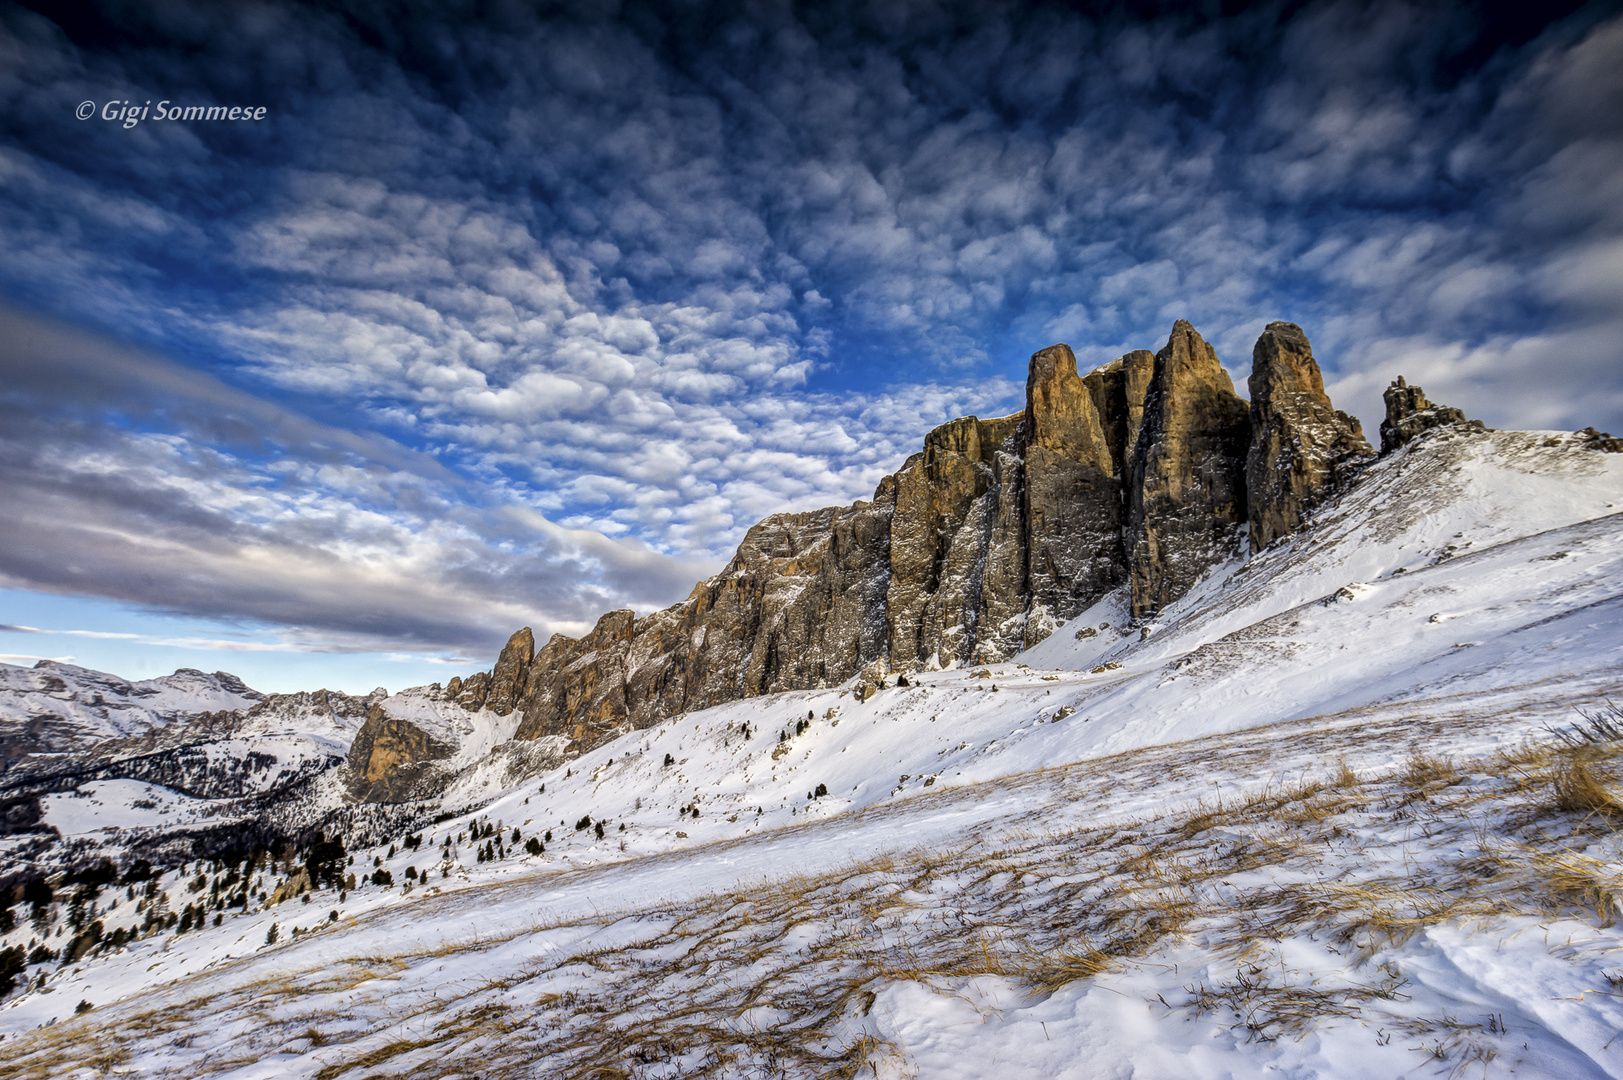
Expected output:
(1603, 441)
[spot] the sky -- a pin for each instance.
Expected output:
(508, 314)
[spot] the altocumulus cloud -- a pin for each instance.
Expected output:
(529, 317)
(128, 476)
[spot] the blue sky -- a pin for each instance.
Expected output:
(520, 319)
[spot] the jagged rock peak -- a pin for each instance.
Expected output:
(508, 677)
(1408, 414)
(952, 500)
(1302, 447)
(1079, 436)
(1187, 488)
(978, 546)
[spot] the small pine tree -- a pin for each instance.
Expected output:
(273, 933)
(669, 760)
(600, 830)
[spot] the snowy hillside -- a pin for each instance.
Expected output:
(1310, 819)
(59, 708)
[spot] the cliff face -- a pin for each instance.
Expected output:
(1187, 487)
(1300, 443)
(1141, 473)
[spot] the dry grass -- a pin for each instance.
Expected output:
(779, 978)
(1425, 771)
(1570, 877)
(1578, 790)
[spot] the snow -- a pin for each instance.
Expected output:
(83, 707)
(110, 805)
(983, 831)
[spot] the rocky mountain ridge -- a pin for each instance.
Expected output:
(1145, 472)
(65, 728)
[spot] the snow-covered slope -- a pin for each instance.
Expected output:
(60, 708)
(1242, 815)
(325, 716)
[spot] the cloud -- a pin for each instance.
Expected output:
(522, 320)
(237, 507)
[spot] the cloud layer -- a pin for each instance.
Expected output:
(525, 319)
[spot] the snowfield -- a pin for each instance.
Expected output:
(1313, 820)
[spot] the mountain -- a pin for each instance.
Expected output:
(1143, 474)
(1311, 815)
(56, 708)
(243, 764)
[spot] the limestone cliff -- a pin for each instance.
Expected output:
(1302, 447)
(1140, 473)
(389, 756)
(1188, 475)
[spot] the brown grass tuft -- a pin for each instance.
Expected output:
(1577, 789)
(1423, 770)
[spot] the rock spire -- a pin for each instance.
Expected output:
(1302, 447)
(1188, 473)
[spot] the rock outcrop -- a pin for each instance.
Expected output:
(1080, 437)
(948, 501)
(1188, 474)
(991, 535)
(1409, 414)
(507, 678)
(389, 758)
(1302, 447)
(1603, 441)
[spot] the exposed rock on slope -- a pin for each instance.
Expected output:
(985, 540)
(1408, 414)
(389, 758)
